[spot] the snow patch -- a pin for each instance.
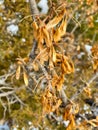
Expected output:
(43, 4)
(66, 123)
(1, 2)
(80, 55)
(4, 127)
(29, 123)
(12, 29)
(88, 49)
(23, 40)
(86, 107)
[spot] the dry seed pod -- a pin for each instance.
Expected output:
(94, 51)
(46, 36)
(54, 55)
(25, 77)
(18, 72)
(67, 65)
(35, 66)
(56, 19)
(60, 31)
(35, 29)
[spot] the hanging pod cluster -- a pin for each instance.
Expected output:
(48, 37)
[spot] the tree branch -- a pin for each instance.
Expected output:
(33, 7)
(34, 12)
(63, 97)
(4, 94)
(83, 86)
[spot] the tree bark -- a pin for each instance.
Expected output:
(63, 97)
(33, 7)
(34, 12)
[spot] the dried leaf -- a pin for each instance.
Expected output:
(94, 123)
(40, 38)
(72, 124)
(25, 77)
(50, 102)
(19, 62)
(69, 116)
(60, 31)
(56, 19)
(26, 59)
(51, 65)
(63, 27)
(76, 108)
(64, 68)
(56, 35)
(94, 51)
(44, 57)
(18, 72)
(68, 111)
(54, 55)
(58, 103)
(35, 66)
(54, 80)
(46, 37)
(60, 82)
(35, 26)
(88, 92)
(67, 65)
(35, 29)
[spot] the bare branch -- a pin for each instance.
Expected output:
(32, 53)
(4, 94)
(63, 97)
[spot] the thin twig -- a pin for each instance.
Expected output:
(94, 36)
(47, 76)
(82, 87)
(18, 99)
(4, 94)
(9, 88)
(4, 106)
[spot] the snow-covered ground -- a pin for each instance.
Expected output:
(43, 4)
(4, 127)
(88, 48)
(12, 29)
(1, 2)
